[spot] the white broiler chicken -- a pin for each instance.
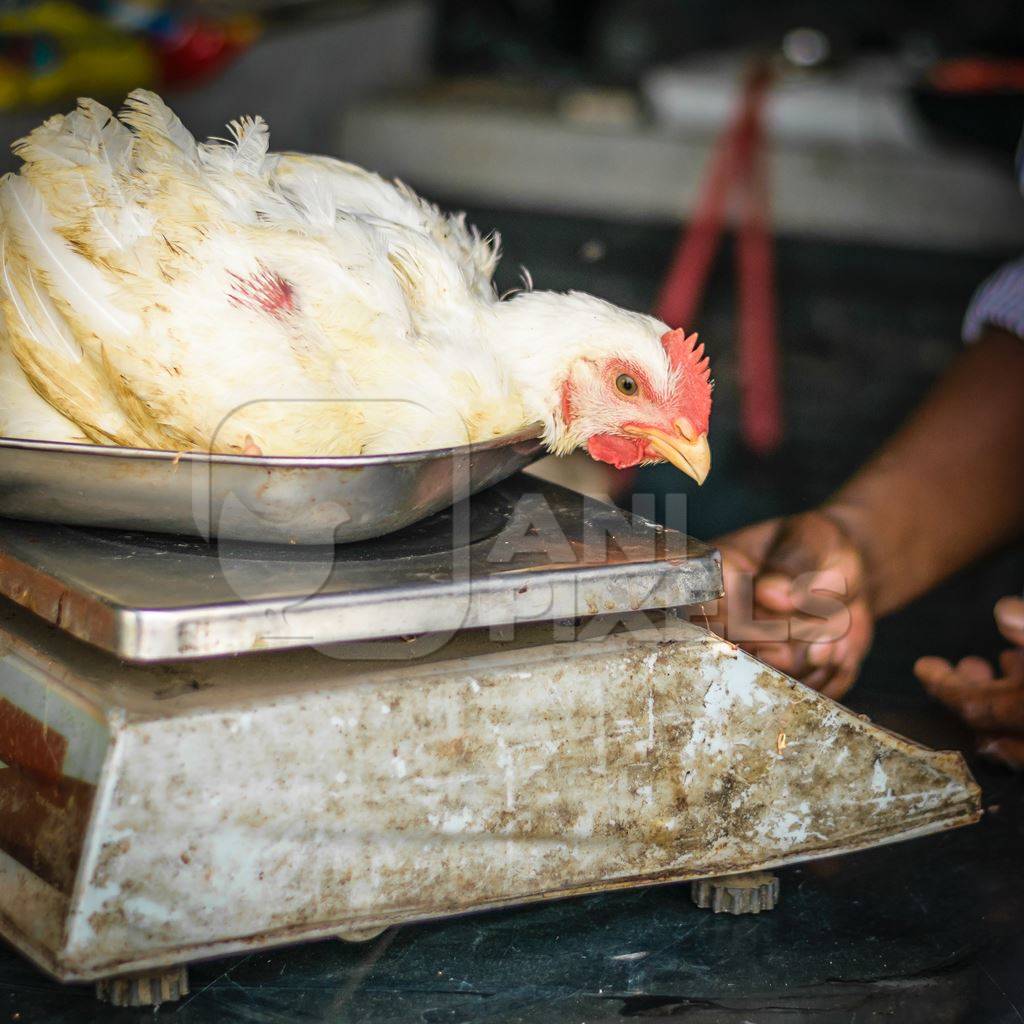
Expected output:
(160, 293)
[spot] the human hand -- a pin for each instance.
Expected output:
(991, 703)
(795, 596)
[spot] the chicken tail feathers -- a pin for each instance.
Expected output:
(252, 140)
(106, 140)
(245, 151)
(158, 129)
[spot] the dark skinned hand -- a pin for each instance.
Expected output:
(989, 700)
(795, 597)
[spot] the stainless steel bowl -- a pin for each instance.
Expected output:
(295, 500)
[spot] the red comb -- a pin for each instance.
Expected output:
(693, 368)
(684, 352)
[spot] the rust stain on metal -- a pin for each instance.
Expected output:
(27, 743)
(43, 814)
(48, 598)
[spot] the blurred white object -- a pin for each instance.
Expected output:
(601, 108)
(862, 105)
(806, 47)
(848, 160)
(582, 474)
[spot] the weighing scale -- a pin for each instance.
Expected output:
(211, 747)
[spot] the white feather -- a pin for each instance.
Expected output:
(32, 228)
(42, 322)
(23, 412)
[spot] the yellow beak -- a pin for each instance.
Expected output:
(686, 450)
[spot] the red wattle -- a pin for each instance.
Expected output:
(620, 452)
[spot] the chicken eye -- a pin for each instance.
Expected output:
(626, 385)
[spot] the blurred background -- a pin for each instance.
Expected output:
(588, 135)
(603, 141)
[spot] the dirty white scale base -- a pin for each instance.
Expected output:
(159, 805)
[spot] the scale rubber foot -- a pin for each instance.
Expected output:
(737, 894)
(146, 988)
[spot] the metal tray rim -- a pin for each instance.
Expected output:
(529, 433)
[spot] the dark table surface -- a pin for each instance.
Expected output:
(931, 930)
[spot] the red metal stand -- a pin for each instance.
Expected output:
(738, 171)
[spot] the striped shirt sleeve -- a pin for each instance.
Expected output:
(998, 302)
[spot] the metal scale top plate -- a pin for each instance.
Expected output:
(523, 551)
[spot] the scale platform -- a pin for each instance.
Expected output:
(209, 749)
(522, 551)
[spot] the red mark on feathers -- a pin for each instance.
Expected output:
(263, 291)
(693, 370)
